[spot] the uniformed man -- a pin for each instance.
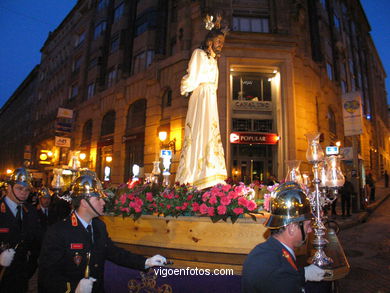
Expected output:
(74, 250)
(20, 234)
(271, 267)
(45, 212)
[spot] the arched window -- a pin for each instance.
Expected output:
(136, 116)
(108, 124)
(332, 121)
(87, 132)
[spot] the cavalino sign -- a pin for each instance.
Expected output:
(253, 138)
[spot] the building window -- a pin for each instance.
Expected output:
(80, 38)
(92, 63)
(76, 65)
(136, 116)
(102, 4)
(167, 98)
(114, 44)
(332, 121)
(118, 12)
(99, 29)
(91, 90)
(74, 91)
(336, 21)
(251, 24)
(112, 76)
(262, 125)
(145, 22)
(242, 124)
(329, 71)
(108, 124)
(252, 87)
(87, 132)
(323, 3)
(343, 86)
(143, 60)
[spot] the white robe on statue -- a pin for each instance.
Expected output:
(202, 160)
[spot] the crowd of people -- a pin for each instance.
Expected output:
(67, 242)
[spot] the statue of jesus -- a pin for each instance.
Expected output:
(202, 160)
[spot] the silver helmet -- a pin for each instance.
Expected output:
(21, 176)
(290, 204)
(86, 186)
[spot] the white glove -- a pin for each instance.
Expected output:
(314, 273)
(6, 257)
(156, 260)
(85, 285)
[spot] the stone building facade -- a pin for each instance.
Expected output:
(284, 70)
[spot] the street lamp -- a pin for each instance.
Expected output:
(162, 135)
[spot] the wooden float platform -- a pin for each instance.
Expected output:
(198, 242)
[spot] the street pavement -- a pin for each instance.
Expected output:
(365, 238)
(361, 216)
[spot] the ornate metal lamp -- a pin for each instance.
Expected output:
(315, 155)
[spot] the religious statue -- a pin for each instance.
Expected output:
(202, 160)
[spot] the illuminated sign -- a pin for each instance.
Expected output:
(252, 105)
(332, 150)
(253, 138)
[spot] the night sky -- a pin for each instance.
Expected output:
(25, 24)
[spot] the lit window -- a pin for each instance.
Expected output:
(74, 91)
(76, 65)
(80, 38)
(102, 4)
(251, 24)
(329, 71)
(114, 44)
(143, 60)
(91, 90)
(112, 75)
(99, 29)
(118, 12)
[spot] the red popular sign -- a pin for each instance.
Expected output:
(254, 138)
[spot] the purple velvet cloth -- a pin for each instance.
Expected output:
(116, 279)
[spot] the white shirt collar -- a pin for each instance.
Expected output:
(85, 224)
(12, 205)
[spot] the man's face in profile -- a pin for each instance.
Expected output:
(217, 44)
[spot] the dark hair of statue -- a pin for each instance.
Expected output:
(211, 35)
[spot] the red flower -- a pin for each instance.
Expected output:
(251, 205)
(221, 210)
(238, 211)
(226, 187)
(210, 211)
(225, 200)
(242, 201)
(149, 196)
(213, 200)
(203, 208)
(195, 206)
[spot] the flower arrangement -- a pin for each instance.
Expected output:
(219, 202)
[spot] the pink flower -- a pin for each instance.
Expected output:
(226, 187)
(137, 210)
(123, 198)
(242, 201)
(189, 197)
(205, 196)
(210, 211)
(233, 194)
(178, 208)
(251, 205)
(203, 208)
(239, 189)
(266, 203)
(238, 211)
(214, 190)
(195, 206)
(149, 196)
(213, 200)
(221, 210)
(225, 200)
(168, 206)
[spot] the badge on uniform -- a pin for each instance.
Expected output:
(3, 207)
(74, 220)
(76, 246)
(4, 230)
(77, 259)
(289, 259)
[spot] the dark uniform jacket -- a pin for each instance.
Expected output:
(27, 240)
(270, 268)
(63, 258)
